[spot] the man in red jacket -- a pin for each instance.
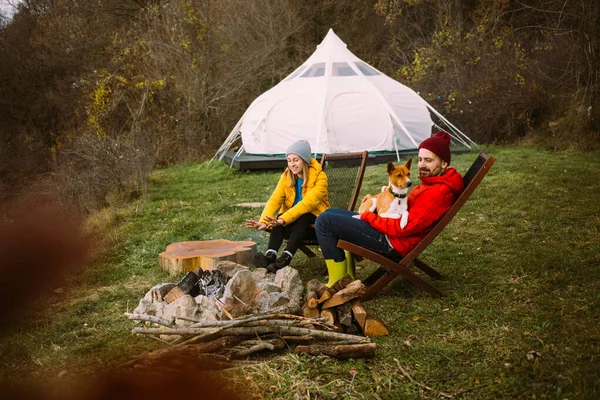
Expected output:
(427, 203)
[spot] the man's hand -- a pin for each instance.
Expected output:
(250, 223)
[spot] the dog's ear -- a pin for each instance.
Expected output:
(408, 163)
(390, 167)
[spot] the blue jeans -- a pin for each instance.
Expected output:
(335, 224)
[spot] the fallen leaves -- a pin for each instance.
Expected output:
(353, 372)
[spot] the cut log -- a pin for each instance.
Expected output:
(183, 287)
(344, 312)
(314, 290)
(309, 312)
(336, 287)
(190, 256)
(173, 294)
(330, 317)
(339, 351)
(360, 314)
(374, 326)
(351, 291)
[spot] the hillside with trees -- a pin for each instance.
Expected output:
(93, 95)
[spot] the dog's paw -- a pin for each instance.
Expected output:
(404, 220)
(390, 215)
(374, 204)
(357, 216)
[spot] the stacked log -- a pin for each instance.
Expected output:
(239, 338)
(341, 307)
(335, 324)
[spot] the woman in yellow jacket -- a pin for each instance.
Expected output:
(300, 196)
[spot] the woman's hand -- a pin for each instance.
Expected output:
(252, 224)
(274, 222)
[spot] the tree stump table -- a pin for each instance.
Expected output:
(191, 256)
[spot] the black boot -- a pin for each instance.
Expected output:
(262, 260)
(283, 261)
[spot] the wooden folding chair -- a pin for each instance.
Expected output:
(345, 175)
(390, 269)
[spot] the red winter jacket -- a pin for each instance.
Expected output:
(427, 203)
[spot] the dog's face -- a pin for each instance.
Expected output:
(400, 175)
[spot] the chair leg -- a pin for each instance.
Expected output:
(427, 269)
(303, 248)
(417, 281)
(371, 279)
(388, 270)
(376, 287)
(385, 278)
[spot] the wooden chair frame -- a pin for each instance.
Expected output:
(361, 158)
(390, 269)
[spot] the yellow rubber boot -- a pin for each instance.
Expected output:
(336, 271)
(350, 267)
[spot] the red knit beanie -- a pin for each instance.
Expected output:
(439, 144)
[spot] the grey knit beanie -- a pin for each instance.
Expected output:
(301, 148)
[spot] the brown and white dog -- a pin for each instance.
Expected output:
(391, 202)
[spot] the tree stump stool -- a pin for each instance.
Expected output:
(192, 256)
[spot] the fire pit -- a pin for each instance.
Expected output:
(229, 291)
(233, 311)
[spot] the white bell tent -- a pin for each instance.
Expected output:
(339, 104)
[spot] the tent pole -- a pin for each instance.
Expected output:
(233, 135)
(237, 154)
(389, 109)
(401, 124)
(453, 135)
(440, 116)
(396, 147)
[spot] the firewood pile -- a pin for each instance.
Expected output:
(334, 324)
(239, 338)
(340, 306)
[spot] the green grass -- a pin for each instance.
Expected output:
(521, 260)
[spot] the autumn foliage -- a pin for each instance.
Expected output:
(93, 95)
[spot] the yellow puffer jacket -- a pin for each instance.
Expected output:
(314, 196)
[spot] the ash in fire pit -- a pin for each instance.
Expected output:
(229, 291)
(211, 284)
